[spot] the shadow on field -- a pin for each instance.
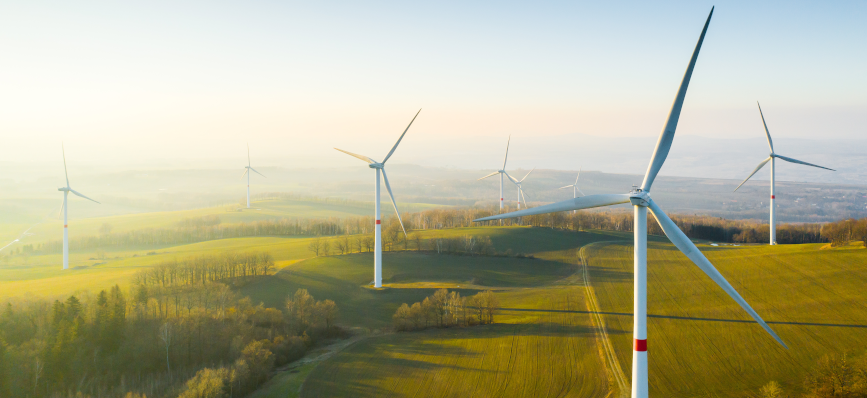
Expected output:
(608, 274)
(687, 318)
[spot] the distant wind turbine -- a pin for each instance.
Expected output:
(247, 173)
(380, 167)
(520, 188)
(771, 159)
(575, 189)
(66, 190)
(641, 201)
(501, 172)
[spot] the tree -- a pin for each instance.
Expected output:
(771, 390)
(326, 248)
(327, 311)
(341, 245)
(401, 318)
(315, 246)
(207, 383)
(105, 229)
(166, 337)
(300, 308)
(259, 360)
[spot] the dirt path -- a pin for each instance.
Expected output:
(608, 350)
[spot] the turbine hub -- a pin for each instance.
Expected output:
(639, 198)
(376, 165)
(63, 189)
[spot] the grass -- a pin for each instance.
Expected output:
(545, 354)
(793, 287)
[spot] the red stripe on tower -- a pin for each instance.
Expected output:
(378, 222)
(64, 225)
(640, 345)
(773, 197)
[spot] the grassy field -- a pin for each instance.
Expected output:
(51, 227)
(701, 343)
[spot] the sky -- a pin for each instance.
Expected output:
(139, 83)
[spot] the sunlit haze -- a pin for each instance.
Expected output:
(125, 83)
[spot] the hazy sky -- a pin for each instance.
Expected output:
(123, 82)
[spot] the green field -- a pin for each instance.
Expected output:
(546, 341)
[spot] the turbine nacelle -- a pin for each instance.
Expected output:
(376, 165)
(639, 198)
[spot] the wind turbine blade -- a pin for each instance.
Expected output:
(666, 137)
(528, 173)
(246, 170)
(521, 190)
(568, 186)
(79, 194)
(759, 167)
(401, 137)
(60, 212)
(579, 175)
(584, 202)
(362, 157)
(393, 202)
(254, 170)
(248, 154)
(767, 133)
(686, 246)
(514, 181)
(579, 191)
(507, 151)
(790, 160)
(66, 173)
(489, 175)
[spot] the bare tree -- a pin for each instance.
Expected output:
(166, 337)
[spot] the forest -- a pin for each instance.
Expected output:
(175, 330)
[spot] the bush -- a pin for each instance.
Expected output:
(208, 383)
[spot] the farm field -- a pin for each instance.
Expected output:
(702, 344)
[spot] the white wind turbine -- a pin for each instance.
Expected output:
(520, 187)
(66, 190)
(641, 201)
(575, 189)
(771, 159)
(501, 172)
(247, 170)
(380, 167)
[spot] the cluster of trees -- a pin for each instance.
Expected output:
(256, 360)
(832, 377)
(207, 268)
(844, 231)
(153, 337)
(444, 309)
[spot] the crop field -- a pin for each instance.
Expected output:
(701, 343)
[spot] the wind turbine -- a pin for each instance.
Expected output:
(575, 189)
(771, 159)
(66, 190)
(501, 172)
(641, 201)
(247, 173)
(520, 188)
(380, 167)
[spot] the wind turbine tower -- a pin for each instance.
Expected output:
(380, 168)
(575, 189)
(247, 170)
(502, 172)
(641, 202)
(772, 158)
(66, 190)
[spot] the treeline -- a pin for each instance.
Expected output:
(842, 232)
(394, 239)
(152, 338)
(696, 227)
(207, 268)
(444, 309)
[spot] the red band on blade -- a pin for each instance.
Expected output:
(378, 222)
(773, 197)
(640, 345)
